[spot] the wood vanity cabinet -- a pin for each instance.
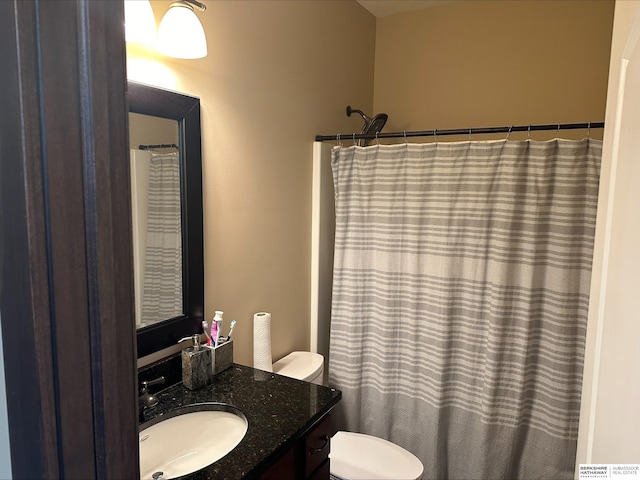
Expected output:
(308, 458)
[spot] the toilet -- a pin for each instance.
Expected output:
(354, 456)
(305, 366)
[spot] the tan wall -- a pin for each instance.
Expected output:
(147, 130)
(277, 74)
(494, 63)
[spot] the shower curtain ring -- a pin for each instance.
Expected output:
(589, 130)
(377, 139)
(354, 139)
(435, 134)
(508, 133)
(339, 140)
(405, 137)
(469, 134)
(529, 132)
(558, 131)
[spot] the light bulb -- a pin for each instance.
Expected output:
(180, 34)
(140, 24)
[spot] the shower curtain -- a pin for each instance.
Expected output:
(162, 290)
(460, 299)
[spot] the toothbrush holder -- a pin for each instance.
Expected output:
(221, 357)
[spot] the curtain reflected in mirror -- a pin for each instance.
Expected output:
(157, 219)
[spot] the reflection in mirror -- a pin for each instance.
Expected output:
(169, 275)
(156, 216)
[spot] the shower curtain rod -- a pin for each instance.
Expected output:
(160, 145)
(462, 131)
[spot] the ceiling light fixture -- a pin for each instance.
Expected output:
(180, 34)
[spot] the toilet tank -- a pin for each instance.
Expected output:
(306, 366)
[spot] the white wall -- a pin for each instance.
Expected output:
(5, 451)
(610, 408)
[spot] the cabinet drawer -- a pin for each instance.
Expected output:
(322, 473)
(317, 445)
(283, 469)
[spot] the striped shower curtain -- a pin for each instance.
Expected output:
(460, 299)
(162, 289)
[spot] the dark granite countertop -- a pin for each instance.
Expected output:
(279, 410)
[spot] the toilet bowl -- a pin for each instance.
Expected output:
(354, 456)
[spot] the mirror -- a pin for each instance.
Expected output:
(156, 218)
(167, 215)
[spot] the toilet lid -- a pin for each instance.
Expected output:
(300, 365)
(355, 456)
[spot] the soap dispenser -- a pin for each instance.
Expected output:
(196, 364)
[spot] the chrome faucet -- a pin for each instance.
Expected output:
(146, 400)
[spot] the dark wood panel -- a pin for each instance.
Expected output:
(323, 472)
(307, 457)
(66, 276)
(317, 445)
(24, 286)
(65, 212)
(108, 212)
(282, 469)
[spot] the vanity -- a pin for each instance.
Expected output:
(289, 423)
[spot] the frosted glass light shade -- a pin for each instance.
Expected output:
(180, 34)
(140, 24)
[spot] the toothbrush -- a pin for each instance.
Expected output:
(214, 333)
(218, 330)
(233, 324)
(216, 327)
(205, 327)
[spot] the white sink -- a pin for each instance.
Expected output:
(189, 439)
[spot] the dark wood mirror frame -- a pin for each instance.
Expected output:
(186, 111)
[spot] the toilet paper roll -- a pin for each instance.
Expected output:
(262, 341)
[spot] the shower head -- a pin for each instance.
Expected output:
(371, 125)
